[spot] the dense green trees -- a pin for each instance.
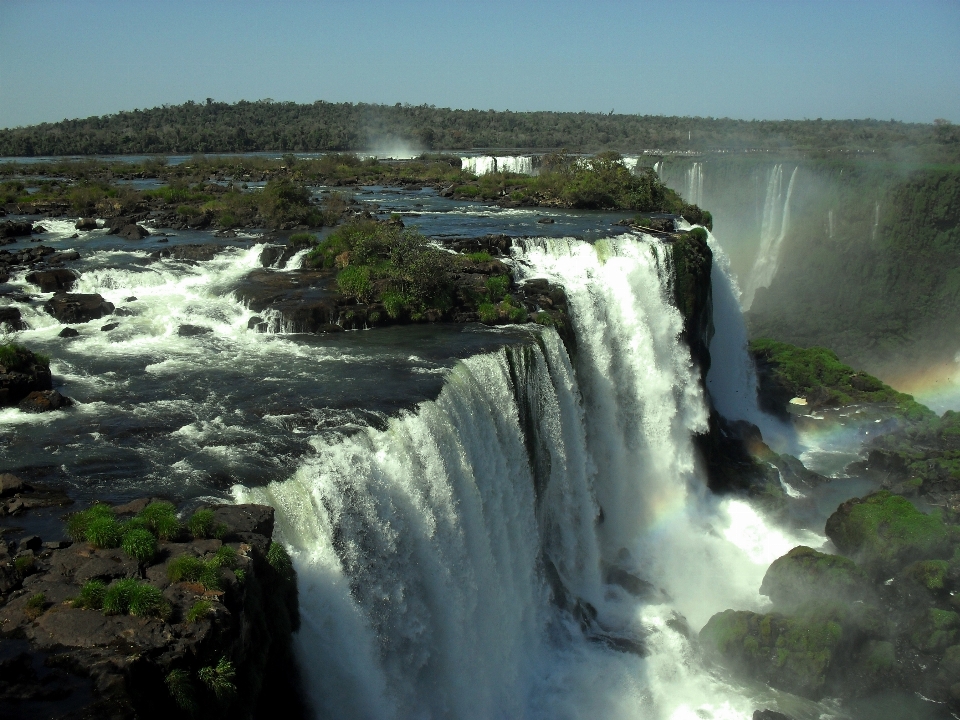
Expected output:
(322, 126)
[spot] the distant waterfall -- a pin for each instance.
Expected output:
(428, 551)
(695, 184)
(658, 168)
(773, 229)
(483, 164)
(876, 220)
(631, 163)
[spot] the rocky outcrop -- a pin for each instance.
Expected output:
(53, 280)
(44, 401)
(78, 307)
(195, 622)
(885, 616)
(22, 373)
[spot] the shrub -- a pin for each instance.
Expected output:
(116, 599)
(240, 575)
(394, 303)
(302, 240)
(34, 606)
(488, 312)
(225, 556)
(188, 210)
(199, 610)
(219, 678)
(91, 595)
(497, 286)
(354, 281)
(545, 319)
(480, 257)
(139, 544)
(181, 690)
(160, 518)
(698, 233)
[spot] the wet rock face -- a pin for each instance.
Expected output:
(223, 605)
(78, 307)
(44, 401)
(53, 280)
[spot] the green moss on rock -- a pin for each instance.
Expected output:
(804, 574)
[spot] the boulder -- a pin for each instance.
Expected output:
(132, 232)
(206, 251)
(804, 574)
(77, 307)
(44, 401)
(15, 229)
(191, 330)
(884, 532)
(68, 332)
(86, 224)
(10, 319)
(53, 280)
(241, 520)
(110, 326)
(11, 484)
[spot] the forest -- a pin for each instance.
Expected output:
(264, 125)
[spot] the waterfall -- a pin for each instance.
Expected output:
(695, 184)
(452, 563)
(657, 168)
(830, 224)
(876, 220)
(483, 164)
(773, 229)
(631, 163)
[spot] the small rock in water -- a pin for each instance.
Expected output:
(132, 298)
(191, 330)
(69, 332)
(163, 239)
(43, 401)
(109, 326)
(546, 221)
(10, 484)
(86, 224)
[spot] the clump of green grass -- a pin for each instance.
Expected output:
(34, 606)
(134, 597)
(104, 532)
(279, 559)
(199, 610)
(24, 565)
(497, 287)
(91, 595)
(139, 544)
(160, 518)
(219, 678)
(488, 312)
(187, 568)
(480, 257)
(17, 358)
(79, 522)
(203, 525)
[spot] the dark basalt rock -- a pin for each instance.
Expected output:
(44, 401)
(206, 251)
(191, 330)
(53, 280)
(77, 307)
(9, 230)
(68, 332)
(132, 232)
(110, 326)
(119, 665)
(17, 385)
(10, 319)
(86, 224)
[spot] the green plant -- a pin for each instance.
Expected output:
(394, 303)
(225, 556)
(34, 606)
(354, 281)
(199, 610)
(140, 544)
(480, 257)
(24, 565)
(302, 240)
(203, 524)
(279, 559)
(219, 678)
(104, 532)
(17, 358)
(160, 518)
(240, 575)
(133, 597)
(545, 319)
(181, 689)
(497, 287)
(187, 568)
(78, 522)
(488, 312)
(91, 595)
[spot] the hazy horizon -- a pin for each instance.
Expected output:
(742, 60)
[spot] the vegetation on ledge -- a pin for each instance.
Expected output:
(816, 374)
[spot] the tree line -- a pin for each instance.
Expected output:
(264, 125)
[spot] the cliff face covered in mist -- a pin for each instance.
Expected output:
(855, 253)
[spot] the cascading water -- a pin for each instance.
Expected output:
(448, 562)
(695, 184)
(773, 230)
(483, 164)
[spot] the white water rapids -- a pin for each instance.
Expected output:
(446, 561)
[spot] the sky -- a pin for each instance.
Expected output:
(775, 59)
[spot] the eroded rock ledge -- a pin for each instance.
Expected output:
(210, 634)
